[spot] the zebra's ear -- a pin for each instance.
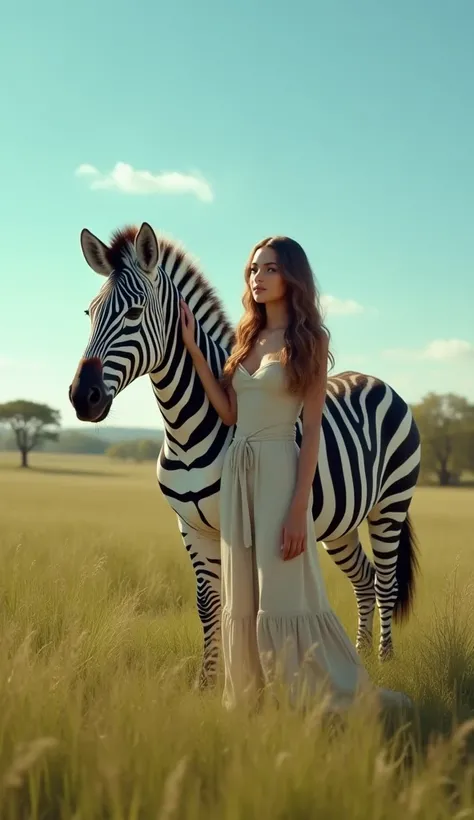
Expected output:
(146, 247)
(95, 253)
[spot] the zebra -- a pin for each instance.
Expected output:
(369, 458)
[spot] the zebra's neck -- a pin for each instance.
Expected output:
(188, 416)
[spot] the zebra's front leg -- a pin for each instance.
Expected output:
(348, 555)
(204, 552)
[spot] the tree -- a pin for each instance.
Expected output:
(31, 424)
(446, 424)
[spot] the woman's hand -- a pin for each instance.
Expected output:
(188, 324)
(224, 401)
(294, 533)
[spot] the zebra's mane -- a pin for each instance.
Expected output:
(184, 271)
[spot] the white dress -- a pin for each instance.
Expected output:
(276, 617)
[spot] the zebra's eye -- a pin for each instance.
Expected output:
(134, 313)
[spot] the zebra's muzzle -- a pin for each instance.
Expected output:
(88, 394)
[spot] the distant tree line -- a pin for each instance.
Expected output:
(446, 424)
(68, 441)
(138, 450)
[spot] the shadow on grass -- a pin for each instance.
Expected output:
(72, 471)
(436, 717)
(433, 485)
(76, 472)
(443, 672)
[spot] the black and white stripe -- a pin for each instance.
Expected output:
(369, 454)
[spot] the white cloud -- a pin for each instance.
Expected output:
(128, 180)
(448, 349)
(332, 306)
(439, 350)
(85, 170)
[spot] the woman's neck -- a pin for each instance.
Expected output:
(276, 316)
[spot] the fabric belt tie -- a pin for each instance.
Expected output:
(242, 461)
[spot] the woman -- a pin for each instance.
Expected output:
(275, 616)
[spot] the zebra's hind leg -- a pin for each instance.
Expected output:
(204, 552)
(396, 563)
(348, 555)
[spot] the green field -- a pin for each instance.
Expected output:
(100, 645)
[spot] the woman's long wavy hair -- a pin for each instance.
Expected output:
(304, 333)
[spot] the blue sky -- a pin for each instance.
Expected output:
(346, 125)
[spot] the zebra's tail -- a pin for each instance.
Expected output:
(407, 568)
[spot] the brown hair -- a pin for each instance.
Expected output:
(304, 333)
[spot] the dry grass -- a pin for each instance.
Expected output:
(100, 643)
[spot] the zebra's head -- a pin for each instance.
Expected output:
(129, 333)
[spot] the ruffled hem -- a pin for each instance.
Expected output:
(313, 655)
(243, 672)
(310, 654)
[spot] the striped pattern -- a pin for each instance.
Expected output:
(369, 454)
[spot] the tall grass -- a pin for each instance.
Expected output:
(100, 647)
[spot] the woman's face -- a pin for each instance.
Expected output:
(266, 282)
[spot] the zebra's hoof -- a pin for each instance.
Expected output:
(364, 646)
(386, 653)
(204, 682)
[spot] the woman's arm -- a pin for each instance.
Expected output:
(224, 401)
(312, 417)
(294, 530)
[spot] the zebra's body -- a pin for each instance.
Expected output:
(369, 453)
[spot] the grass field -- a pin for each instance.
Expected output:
(100, 644)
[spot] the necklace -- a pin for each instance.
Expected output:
(265, 334)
